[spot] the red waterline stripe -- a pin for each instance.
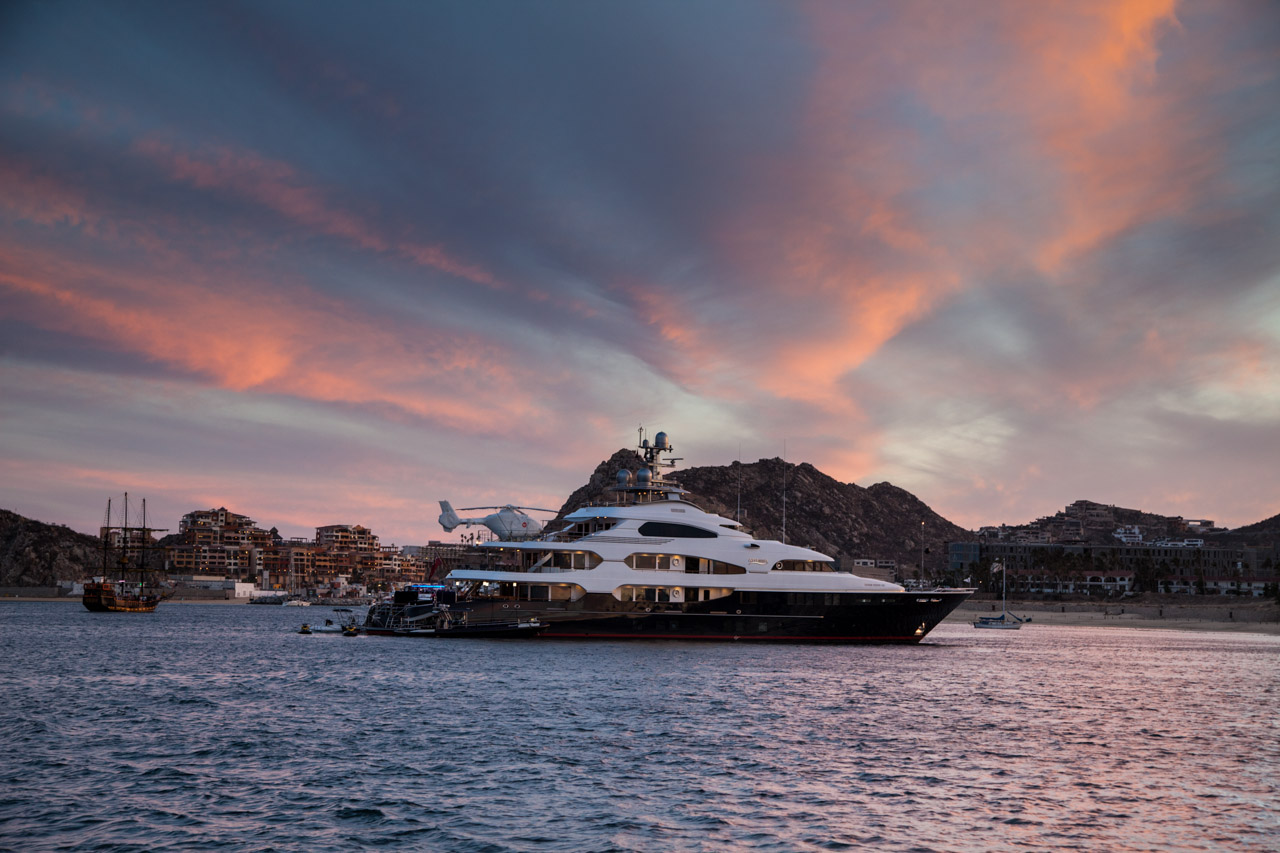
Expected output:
(707, 637)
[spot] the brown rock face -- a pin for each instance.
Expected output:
(842, 520)
(33, 553)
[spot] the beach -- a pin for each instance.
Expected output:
(1252, 616)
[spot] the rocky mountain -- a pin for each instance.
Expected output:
(33, 553)
(1262, 533)
(1269, 527)
(846, 521)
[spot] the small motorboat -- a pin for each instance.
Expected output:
(305, 629)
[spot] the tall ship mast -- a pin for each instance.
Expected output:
(128, 584)
(651, 564)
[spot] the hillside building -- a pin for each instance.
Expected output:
(1116, 569)
(219, 542)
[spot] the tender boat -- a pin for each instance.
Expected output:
(337, 627)
(653, 565)
(305, 629)
(410, 609)
(432, 610)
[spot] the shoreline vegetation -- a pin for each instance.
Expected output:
(1245, 616)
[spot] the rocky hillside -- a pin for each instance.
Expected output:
(849, 522)
(33, 553)
(1262, 533)
(1267, 527)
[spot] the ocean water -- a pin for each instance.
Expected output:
(206, 727)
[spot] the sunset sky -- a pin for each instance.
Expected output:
(330, 263)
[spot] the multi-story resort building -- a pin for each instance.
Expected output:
(1095, 549)
(346, 537)
(221, 543)
(1170, 567)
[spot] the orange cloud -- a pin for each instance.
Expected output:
(1070, 90)
(245, 336)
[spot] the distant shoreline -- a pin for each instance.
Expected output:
(75, 599)
(1239, 617)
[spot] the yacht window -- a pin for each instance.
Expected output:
(651, 594)
(681, 563)
(803, 566)
(578, 530)
(557, 561)
(658, 562)
(672, 530)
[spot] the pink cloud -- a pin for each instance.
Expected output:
(38, 198)
(279, 187)
(851, 242)
(245, 336)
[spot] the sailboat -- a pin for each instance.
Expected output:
(293, 599)
(1005, 620)
(128, 588)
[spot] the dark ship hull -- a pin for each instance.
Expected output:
(881, 617)
(758, 616)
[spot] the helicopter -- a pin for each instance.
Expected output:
(509, 522)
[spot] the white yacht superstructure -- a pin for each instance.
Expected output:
(655, 565)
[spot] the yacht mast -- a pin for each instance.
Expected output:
(738, 515)
(784, 491)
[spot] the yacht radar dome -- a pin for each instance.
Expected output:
(660, 441)
(624, 477)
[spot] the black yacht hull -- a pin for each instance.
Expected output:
(742, 616)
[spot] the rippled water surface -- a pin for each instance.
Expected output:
(207, 726)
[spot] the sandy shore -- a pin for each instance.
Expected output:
(1247, 618)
